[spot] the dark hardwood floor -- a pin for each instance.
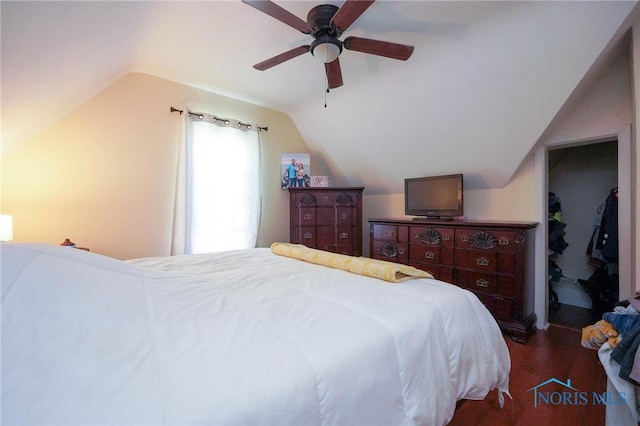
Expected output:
(553, 353)
(571, 316)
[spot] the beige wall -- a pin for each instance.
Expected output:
(104, 176)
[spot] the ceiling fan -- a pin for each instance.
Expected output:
(326, 23)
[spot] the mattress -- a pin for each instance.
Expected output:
(236, 338)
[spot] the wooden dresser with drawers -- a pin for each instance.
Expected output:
(492, 259)
(327, 218)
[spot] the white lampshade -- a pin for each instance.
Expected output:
(6, 227)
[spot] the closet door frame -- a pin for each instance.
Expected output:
(628, 243)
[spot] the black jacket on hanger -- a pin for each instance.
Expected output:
(608, 237)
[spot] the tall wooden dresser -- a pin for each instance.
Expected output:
(492, 259)
(327, 218)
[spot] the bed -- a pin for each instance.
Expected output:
(244, 337)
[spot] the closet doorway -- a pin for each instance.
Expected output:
(580, 181)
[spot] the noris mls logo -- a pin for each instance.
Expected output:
(548, 394)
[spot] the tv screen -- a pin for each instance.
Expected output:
(434, 196)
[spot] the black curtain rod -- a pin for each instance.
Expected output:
(266, 129)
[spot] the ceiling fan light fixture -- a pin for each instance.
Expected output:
(326, 49)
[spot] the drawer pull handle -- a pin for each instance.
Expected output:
(308, 235)
(482, 283)
(344, 235)
(401, 251)
(503, 241)
(429, 255)
(481, 261)
(446, 237)
(464, 238)
(344, 216)
(308, 216)
(389, 233)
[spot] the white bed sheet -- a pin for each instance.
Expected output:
(243, 338)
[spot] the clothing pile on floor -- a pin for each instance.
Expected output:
(621, 328)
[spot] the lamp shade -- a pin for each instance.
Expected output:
(6, 227)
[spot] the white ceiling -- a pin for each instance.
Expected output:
(485, 79)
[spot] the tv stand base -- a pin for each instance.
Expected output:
(432, 218)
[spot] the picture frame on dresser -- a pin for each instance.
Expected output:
(494, 260)
(295, 170)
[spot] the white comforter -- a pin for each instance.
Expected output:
(234, 338)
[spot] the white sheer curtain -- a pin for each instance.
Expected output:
(218, 188)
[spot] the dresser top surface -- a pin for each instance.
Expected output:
(456, 223)
(329, 188)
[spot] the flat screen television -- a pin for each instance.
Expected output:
(434, 197)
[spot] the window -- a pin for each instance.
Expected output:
(220, 188)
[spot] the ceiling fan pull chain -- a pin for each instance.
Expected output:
(326, 89)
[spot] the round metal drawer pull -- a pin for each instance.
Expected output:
(429, 255)
(503, 241)
(389, 233)
(308, 235)
(344, 235)
(308, 216)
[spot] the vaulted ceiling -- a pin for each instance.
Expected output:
(484, 81)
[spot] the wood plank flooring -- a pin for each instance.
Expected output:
(553, 353)
(572, 316)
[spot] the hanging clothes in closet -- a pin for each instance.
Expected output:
(602, 286)
(557, 245)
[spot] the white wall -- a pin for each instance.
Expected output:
(514, 202)
(605, 105)
(602, 111)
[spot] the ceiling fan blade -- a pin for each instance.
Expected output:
(349, 12)
(334, 74)
(377, 47)
(282, 15)
(278, 59)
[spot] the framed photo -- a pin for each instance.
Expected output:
(320, 181)
(295, 170)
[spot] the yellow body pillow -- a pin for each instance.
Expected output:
(388, 271)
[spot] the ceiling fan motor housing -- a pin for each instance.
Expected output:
(326, 45)
(319, 19)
